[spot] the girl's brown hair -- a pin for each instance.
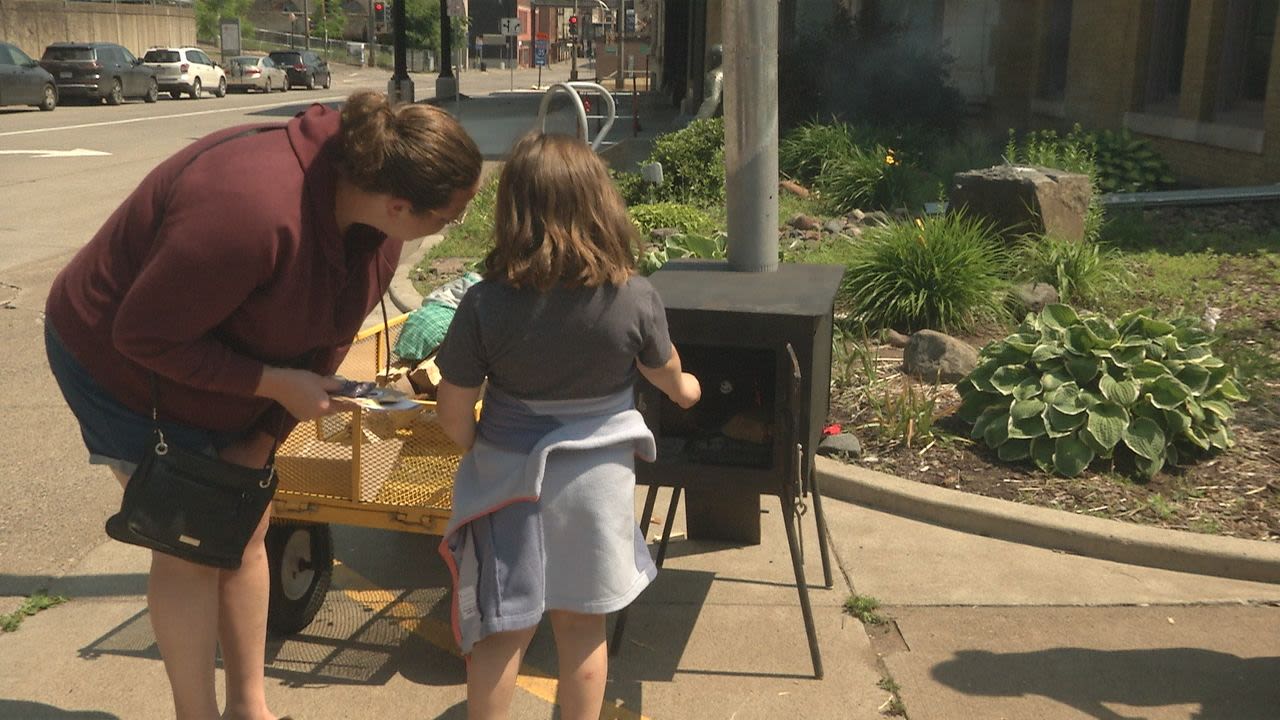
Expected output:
(416, 152)
(559, 218)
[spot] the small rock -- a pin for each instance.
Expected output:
(843, 444)
(937, 357)
(835, 225)
(661, 234)
(854, 230)
(1035, 296)
(804, 222)
(896, 339)
(794, 188)
(857, 215)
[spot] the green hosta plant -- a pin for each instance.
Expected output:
(707, 247)
(1068, 388)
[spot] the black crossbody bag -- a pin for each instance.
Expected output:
(188, 504)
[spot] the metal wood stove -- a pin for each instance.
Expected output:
(760, 344)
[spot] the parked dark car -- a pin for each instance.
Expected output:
(23, 81)
(99, 71)
(303, 67)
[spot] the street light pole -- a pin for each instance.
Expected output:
(446, 83)
(573, 48)
(306, 25)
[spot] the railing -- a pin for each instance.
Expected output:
(339, 50)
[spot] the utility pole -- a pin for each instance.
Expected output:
(446, 82)
(622, 44)
(372, 44)
(306, 25)
(400, 86)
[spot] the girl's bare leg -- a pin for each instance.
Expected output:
(491, 674)
(584, 663)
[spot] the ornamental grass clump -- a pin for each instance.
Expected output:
(940, 273)
(1070, 388)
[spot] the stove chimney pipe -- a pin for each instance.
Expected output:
(751, 133)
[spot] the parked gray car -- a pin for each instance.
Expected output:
(99, 71)
(254, 72)
(23, 81)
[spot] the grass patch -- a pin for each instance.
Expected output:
(40, 600)
(864, 607)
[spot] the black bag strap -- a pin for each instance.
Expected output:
(162, 447)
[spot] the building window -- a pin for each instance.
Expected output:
(1166, 55)
(1054, 47)
(1246, 61)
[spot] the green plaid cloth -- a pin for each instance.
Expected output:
(424, 330)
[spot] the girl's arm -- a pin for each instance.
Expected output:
(456, 412)
(683, 388)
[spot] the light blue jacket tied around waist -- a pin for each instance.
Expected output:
(507, 465)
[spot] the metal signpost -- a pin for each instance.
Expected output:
(540, 46)
(511, 29)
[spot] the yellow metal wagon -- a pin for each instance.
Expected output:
(388, 470)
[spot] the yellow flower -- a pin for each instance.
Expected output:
(890, 159)
(919, 223)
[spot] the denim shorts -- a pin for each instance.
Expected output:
(115, 435)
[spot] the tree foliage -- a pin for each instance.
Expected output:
(209, 12)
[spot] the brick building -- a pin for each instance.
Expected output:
(1199, 78)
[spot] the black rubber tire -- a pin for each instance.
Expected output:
(287, 85)
(268, 90)
(175, 94)
(300, 557)
(195, 89)
(328, 81)
(50, 98)
(222, 88)
(116, 96)
(153, 92)
(311, 82)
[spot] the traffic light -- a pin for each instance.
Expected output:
(379, 16)
(573, 26)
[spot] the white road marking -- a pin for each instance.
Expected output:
(175, 115)
(78, 152)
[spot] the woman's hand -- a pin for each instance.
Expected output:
(303, 393)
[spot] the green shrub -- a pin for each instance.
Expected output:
(1080, 270)
(633, 189)
(803, 151)
(867, 179)
(1068, 388)
(707, 247)
(1128, 164)
(943, 272)
(472, 235)
(687, 219)
(692, 163)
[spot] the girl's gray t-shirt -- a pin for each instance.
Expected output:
(561, 344)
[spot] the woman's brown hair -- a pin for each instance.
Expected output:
(559, 218)
(416, 152)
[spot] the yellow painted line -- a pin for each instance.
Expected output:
(439, 633)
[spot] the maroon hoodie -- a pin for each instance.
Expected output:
(216, 267)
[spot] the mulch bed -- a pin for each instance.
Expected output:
(1236, 493)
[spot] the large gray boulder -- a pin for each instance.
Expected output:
(1019, 199)
(937, 357)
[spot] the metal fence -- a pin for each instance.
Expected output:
(339, 50)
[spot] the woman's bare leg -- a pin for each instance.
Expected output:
(242, 623)
(584, 663)
(491, 674)
(182, 602)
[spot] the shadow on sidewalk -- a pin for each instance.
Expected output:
(1226, 687)
(40, 711)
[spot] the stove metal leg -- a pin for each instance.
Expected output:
(823, 550)
(650, 500)
(789, 519)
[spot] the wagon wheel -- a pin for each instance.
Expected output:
(300, 556)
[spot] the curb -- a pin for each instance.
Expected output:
(1227, 557)
(402, 292)
(1100, 538)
